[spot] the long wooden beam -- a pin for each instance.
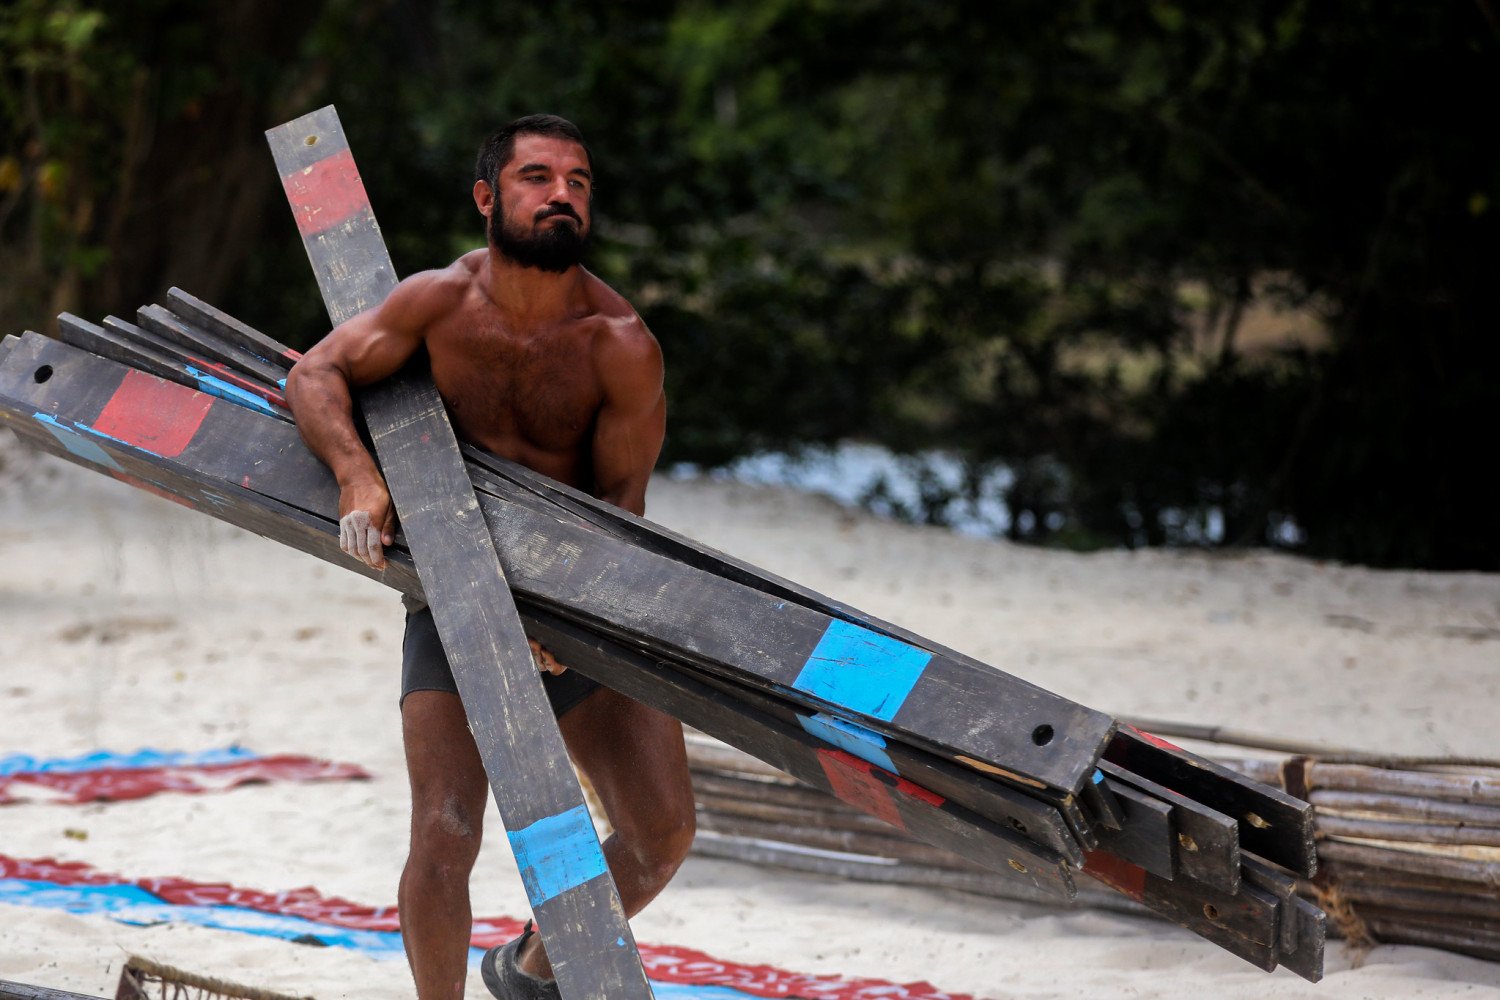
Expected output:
(574, 898)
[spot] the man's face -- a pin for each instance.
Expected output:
(540, 217)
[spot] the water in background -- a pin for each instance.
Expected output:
(935, 487)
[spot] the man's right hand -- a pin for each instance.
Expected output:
(367, 521)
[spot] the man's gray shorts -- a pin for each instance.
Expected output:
(424, 667)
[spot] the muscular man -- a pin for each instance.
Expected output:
(541, 362)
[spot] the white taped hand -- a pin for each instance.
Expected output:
(360, 538)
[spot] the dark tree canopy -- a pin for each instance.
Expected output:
(1161, 259)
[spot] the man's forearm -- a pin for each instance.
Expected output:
(323, 406)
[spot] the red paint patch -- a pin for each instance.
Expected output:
(158, 416)
(1112, 871)
(326, 193)
(1155, 741)
(867, 787)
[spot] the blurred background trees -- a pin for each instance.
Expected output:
(1192, 271)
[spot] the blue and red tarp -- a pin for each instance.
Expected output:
(103, 775)
(307, 916)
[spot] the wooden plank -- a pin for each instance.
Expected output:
(588, 510)
(195, 310)
(1208, 842)
(23, 377)
(822, 765)
(1265, 877)
(1145, 836)
(577, 907)
(1272, 823)
(126, 459)
(268, 457)
(1033, 818)
(164, 323)
(118, 342)
(1244, 923)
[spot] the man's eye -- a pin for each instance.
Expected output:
(577, 184)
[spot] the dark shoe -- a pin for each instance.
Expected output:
(505, 980)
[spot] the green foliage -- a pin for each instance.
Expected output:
(1027, 232)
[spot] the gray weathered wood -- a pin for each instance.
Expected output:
(577, 906)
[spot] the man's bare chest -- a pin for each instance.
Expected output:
(537, 389)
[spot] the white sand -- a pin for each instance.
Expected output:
(129, 622)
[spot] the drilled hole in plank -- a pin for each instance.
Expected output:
(1020, 827)
(1042, 735)
(1016, 865)
(42, 374)
(1255, 820)
(311, 140)
(1210, 911)
(1188, 843)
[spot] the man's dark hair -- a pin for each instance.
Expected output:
(500, 147)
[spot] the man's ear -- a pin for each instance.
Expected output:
(484, 198)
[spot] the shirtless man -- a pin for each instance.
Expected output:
(538, 361)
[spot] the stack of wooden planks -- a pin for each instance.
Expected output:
(186, 401)
(1408, 849)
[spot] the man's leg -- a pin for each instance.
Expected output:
(635, 758)
(448, 795)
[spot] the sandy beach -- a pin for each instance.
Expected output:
(130, 622)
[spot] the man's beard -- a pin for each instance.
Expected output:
(555, 248)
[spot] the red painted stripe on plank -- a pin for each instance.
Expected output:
(153, 414)
(1113, 871)
(854, 781)
(1155, 741)
(326, 193)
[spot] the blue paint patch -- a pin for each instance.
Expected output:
(1098, 776)
(557, 853)
(281, 383)
(52, 422)
(868, 746)
(76, 443)
(862, 671)
(105, 760)
(229, 393)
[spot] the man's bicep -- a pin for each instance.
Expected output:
(632, 422)
(627, 442)
(376, 343)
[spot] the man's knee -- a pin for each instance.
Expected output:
(661, 835)
(445, 835)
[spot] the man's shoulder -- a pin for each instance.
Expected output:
(429, 295)
(618, 325)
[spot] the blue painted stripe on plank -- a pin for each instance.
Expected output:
(76, 443)
(229, 392)
(53, 422)
(863, 671)
(866, 745)
(557, 853)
